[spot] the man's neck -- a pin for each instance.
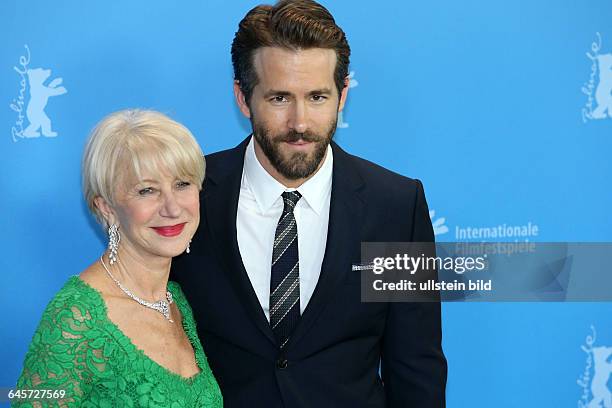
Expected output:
(289, 183)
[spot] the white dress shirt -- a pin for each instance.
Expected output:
(260, 206)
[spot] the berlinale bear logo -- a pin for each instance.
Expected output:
(594, 380)
(34, 79)
(601, 93)
(39, 95)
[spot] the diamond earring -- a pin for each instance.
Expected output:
(188, 250)
(113, 243)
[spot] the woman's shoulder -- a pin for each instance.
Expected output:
(60, 353)
(77, 291)
(177, 294)
(75, 301)
(181, 301)
(75, 315)
(175, 289)
(69, 318)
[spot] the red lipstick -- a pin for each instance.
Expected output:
(170, 231)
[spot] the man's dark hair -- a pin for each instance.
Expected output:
(294, 25)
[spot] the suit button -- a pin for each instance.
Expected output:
(282, 363)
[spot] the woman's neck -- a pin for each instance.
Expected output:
(145, 276)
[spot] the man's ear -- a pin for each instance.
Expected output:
(344, 93)
(241, 100)
(106, 210)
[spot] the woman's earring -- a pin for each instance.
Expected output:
(188, 250)
(113, 242)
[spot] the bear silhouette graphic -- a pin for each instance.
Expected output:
(603, 94)
(39, 96)
(602, 372)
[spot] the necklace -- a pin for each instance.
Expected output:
(162, 306)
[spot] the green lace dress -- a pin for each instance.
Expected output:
(76, 348)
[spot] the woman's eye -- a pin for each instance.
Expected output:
(145, 191)
(183, 184)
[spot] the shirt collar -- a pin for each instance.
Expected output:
(267, 190)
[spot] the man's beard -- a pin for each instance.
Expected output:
(297, 165)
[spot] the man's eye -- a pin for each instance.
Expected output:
(318, 98)
(278, 99)
(145, 191)
(182, 184)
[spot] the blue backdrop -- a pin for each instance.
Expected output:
(501, 108)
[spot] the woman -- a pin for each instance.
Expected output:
(120, 334)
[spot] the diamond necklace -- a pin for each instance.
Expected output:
(162, 306)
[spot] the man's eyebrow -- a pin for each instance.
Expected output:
(274, 92)
(322, 91)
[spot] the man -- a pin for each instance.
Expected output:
(283, 214)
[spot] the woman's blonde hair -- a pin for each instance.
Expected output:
(128, 143)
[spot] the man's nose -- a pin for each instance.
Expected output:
(298, 119)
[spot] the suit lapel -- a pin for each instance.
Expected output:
(221, 206)
(343, 238)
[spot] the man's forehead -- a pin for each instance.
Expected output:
(267, 53)
(276, 65)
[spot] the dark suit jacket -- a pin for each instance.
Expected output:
(333, 356)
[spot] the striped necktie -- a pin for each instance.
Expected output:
(285, 278)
